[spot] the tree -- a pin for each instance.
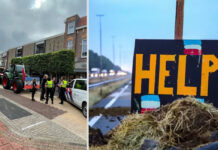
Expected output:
(94, 62)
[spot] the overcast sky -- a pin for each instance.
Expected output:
(24, 21)
(128, 20)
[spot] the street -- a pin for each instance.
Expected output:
(94, 85)
(55, 124)
(120, 99)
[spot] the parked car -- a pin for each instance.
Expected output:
(76, 94)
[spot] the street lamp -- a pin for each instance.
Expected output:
(100, 32)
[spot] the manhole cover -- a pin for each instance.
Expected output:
(12, 111)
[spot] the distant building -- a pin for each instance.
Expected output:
(74, 37)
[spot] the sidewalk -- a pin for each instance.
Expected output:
(32, 124)
(72, 118)
(10, 141)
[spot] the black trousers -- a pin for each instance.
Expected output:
(62, 93)
(52, 92)
(49, 93)
(42, 94)
(33, 93)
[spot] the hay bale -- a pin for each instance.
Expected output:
(185, 123)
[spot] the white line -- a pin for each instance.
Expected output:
(94, 120)
(115, 98)
(33, 125)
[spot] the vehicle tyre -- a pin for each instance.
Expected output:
(6, 82)
(84, 109)
(17, 86)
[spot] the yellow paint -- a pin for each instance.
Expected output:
(163, 73)
(145, 74)
(182, 89)
(206, 70)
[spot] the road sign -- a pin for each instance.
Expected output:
(164, 70)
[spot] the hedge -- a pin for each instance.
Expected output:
(60, 62)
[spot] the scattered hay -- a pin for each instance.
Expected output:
(114, 111)
(96, 138)
(185, 123)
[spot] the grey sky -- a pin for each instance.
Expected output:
(24, 21)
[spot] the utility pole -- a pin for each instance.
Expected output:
(100, 32)
(120, 57)
(179, 19)
(113, 46)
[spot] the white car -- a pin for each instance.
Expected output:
(76, 94)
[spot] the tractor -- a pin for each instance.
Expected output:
(16, 78)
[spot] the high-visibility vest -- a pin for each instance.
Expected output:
(64, 84)
(49, 84)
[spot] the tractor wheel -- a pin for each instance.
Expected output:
(17, 86)
(84, 109)
(5, 82)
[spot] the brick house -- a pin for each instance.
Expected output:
(74, 38)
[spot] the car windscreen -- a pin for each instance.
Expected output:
(81, 84)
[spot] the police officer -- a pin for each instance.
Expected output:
(63, 86)
(49, 88)
(43, 90)
(54, 87)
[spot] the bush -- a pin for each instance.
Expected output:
(60, 62)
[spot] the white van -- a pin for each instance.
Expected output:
(76, 94)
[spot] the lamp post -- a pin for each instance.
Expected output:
(100, 32)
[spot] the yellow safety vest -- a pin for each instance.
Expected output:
(49, 84)
(64, 84)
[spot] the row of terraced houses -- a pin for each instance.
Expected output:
(74, 37)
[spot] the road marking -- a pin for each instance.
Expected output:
(33, 125)
(94, 120)
(115, 98)
(105, 82)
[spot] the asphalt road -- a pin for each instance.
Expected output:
(94, 85)
(119, 98)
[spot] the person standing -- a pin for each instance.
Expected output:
(63, 87)
(54, 87)
(49, 88)
(44, 80)
(33, 89)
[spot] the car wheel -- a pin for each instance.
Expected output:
(84, 109)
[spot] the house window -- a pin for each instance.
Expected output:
(71, 27)
(84, 48)
(40, 47)
(19, 52)
(70, 44)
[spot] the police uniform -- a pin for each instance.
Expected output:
(63, 89)
(49, 91)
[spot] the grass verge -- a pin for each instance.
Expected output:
(97, 94)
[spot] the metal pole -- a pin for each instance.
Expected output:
(113, 37)
(179, 19)
(100, 32)
(120, 57)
